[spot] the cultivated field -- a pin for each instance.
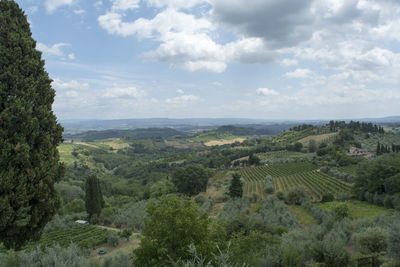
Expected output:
(87, 236)
(286, 176)
(224, 142)
(317, 138)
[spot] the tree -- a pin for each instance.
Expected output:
(236, 187)
(93, 198)
(29, 133)
(190, 180)
(253, 160)
(172, 225)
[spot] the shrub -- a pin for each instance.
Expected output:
(112, 239)
(341, 211)
(372, 240)
(295, 195)
(327, 197)
(120, 260)
(394, 241)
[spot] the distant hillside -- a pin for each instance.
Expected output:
(253, 129)
(136, 133)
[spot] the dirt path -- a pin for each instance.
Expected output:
(109, 228)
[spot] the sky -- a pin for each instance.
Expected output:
(265, 59)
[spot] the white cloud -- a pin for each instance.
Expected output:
(180, 91)
(287, 62)
(216, 83)
(54, 50)
(123, 5)
(174, 3)
(79, 11)
(59, 84)
(98, 4)
(183, 100)
(71, 56)
(266, 92)
(123, 92)
(299, 73)
(52, 5)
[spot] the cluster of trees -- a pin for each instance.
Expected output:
(382, 148)
(301, 127)
(378, 181)
(365, 127)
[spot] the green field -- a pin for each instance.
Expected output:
(357, 209)
(290, 175)
(65, 151)
(87, 236)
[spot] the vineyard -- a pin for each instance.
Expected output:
(286, 176)
(87, 236)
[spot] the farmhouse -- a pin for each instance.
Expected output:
(357, 153)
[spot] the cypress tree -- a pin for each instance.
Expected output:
(236, 188)
(378, 149)
(29, 133)
(93, 198)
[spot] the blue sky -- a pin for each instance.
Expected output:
(269, 59)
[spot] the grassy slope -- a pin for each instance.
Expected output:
(358, 209)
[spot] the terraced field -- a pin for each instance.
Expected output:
(286, 176)
(84, 236)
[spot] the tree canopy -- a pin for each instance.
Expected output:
(172, 225)
(190, 180)
(29, 133)
(94, 198)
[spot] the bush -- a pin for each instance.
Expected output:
(341, 211)
(394, 241)
(171, 226)
(112, 239)
(120, 260)
(372, 240)
(295, 195)
(327, 197)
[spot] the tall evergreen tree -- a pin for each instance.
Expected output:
(29, 133)
(93, 198)
(236, 187)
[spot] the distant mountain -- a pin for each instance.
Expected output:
(194, 125)
(136, 133)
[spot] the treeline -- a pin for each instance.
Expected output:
(136, 134)
(378, 181)
(365, 127)
(382, 148)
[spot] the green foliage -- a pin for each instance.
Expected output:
(372, 240)
(75, 206)
(295, 195)
(29, 133)
(93, 198)
(268, 184)
(112, 239)
(250, 248)
(85, 236)
(162, 187)
(171, 226)
(54, 256)
(190, 180)
(341, 211)
(131, 215)
(120, 260)
(380, 176)
(126, 233)
(394, 241)
(236, 187)
(327, 197)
